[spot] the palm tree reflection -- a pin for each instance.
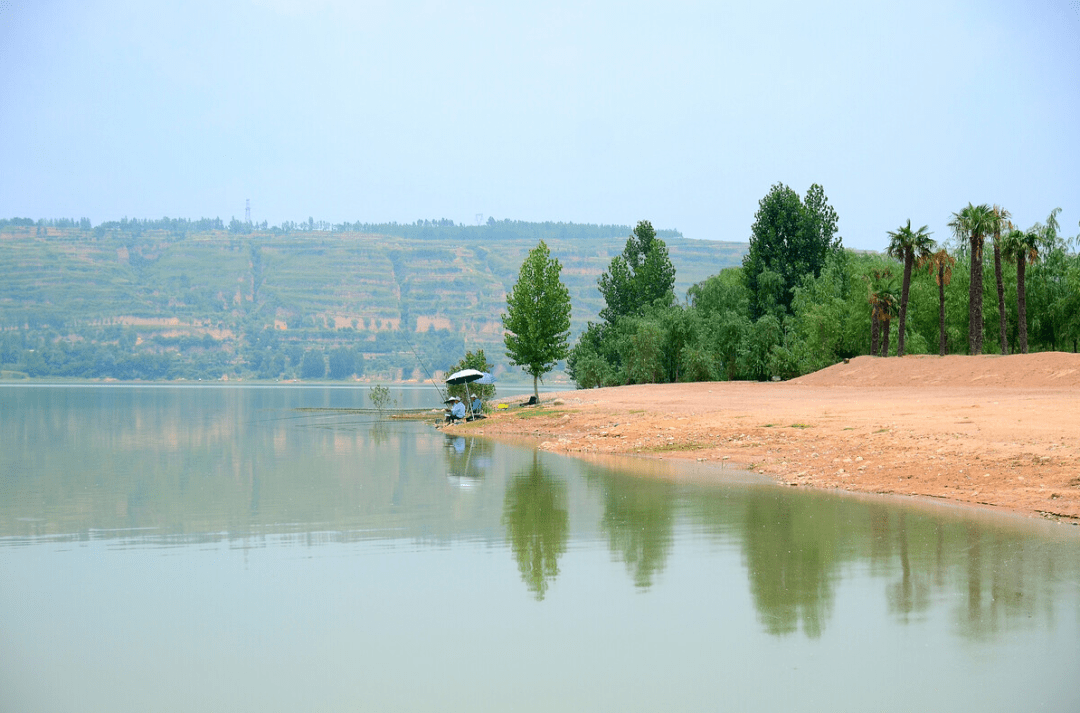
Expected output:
(537, 524)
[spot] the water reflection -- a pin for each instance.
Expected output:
(790, 549)
(638, 521)
(467, 459)
(162, 467)
(910, 595)
(537, 525)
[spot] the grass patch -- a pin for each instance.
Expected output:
(800, 425)
(541, 412)
(640, 410)
(882, 430)
(769, 425)
(669, 447)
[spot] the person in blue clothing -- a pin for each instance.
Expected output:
(456, 411)
(477, 406)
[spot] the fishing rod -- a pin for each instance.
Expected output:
(404, 334)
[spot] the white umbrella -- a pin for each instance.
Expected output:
(464, 377)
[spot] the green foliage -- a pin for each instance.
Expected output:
(790, 238)
(381, 399)
(973, 223)
(537, 523)
(537, 319)
(472, 360)
(248, 303)
(911, 247)
(345, 362)
(644, 354)
(641, 277)
(313, 365)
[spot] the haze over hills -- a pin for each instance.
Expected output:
(199, 299)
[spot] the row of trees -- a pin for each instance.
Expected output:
(801, 302)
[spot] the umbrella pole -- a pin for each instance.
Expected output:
(468, 406)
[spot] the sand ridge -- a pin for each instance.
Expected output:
(989, 430)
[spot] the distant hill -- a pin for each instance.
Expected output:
(198, 299)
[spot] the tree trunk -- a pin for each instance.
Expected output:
(909, 260)
(885, 337)
(874, 330)
(1001, 299)
(941, 309)
(536, 389)
(1021, 301)
(975, 292)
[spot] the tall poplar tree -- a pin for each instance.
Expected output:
(537, 319)
(639, 277)
(790, 238)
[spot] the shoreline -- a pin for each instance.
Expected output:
(976, 441)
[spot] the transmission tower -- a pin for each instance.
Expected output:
(479, 218)
(247, 210)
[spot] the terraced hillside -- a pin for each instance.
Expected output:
(217, 298)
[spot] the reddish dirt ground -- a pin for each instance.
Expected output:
(989, 430)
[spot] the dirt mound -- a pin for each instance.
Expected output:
(1058, 370)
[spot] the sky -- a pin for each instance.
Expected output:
(683, 113)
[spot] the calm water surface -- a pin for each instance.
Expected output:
(251, 549)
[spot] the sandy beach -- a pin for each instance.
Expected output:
(987, 431)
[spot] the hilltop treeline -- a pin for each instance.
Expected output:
(191, 299)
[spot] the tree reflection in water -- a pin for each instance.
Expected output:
(790, 547)
(639, 520)
(537, 524)
(911, 594)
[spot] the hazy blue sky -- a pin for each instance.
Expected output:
(684, 113)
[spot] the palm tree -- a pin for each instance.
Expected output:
(1023, 248)
(1000, 223)
(974, 223)
(881, 296)
(875, 288)
(942, 263)
(911, 246)
(888, 306)
(875, 323)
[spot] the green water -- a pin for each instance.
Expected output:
(189, 549)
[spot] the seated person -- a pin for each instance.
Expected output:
(457, 410)
(477, 407)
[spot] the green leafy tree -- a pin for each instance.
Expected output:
(313, 365)
(381, 398)
(973, 224)
(472, 360)
(910, 246)
(638, 278)
(343, 363)
(790, 238)
(537, 319)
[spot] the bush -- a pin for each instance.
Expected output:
(313, 365)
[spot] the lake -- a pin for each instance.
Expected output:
(181, 548)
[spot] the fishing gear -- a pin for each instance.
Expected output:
(405, 336)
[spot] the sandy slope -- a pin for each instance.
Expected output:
(1002, 431)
